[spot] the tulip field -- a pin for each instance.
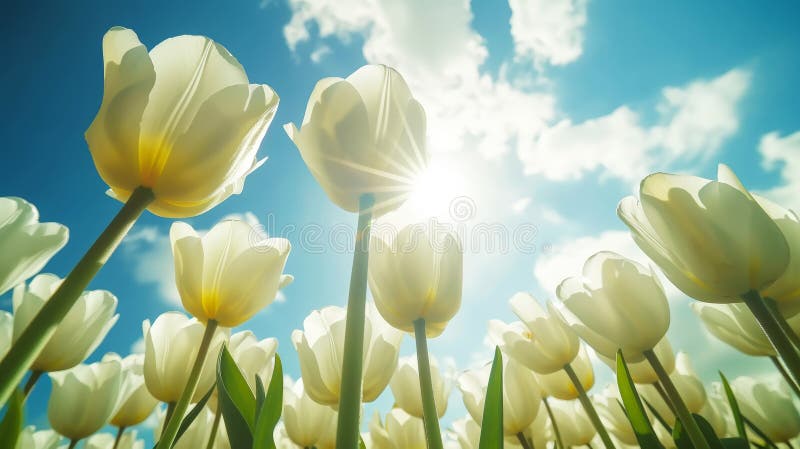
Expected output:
(178, 132)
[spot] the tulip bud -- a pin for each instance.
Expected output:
(642, 372)
(521, 394)
(363, 135)
(417, 276)
(467, 432)
(715, 411)
(560, 386)
(573, 423)
(78, 334)
(106, 441)
(304, 419)
(785, 291)
(544, 343)
(27, 244)
(684, 224)
(84, 398)
(617, 304)
(224, 275)
(400, 431)
(182, 121)
(30, 438)
(735, 325)
(6, 332)
(320, 348)
(406, 390)
(615, 418)
(136, 402)
(171, 346)
(769, 406)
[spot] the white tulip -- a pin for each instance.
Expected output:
(467, 432)
(84, 398)
(182, 120)
(735, 325)
(171, 346)
(769, 406)
(136, 401)
(560, 386)
(642, 372)
(225, 275)
(614, 416)
(305, 420)
(320, 348)
(417, 275)
(406, 390)
(716, 411)
(573, 423)
(786, 289)
(401, 431)
(27, 244)
(710, 238)
(6, 332)
(106, 441)
(30, 438)
(363, 135)
(77, 335)
(616, 304)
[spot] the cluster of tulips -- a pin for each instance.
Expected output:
(177, 133)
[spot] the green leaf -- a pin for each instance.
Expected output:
(737, 413)
(236, 401)
(633, 407)
(492, 427)
(657, 415)
(708, 432)
(192, 415)
(734, 443)
(361, 443)
(11, 426)
(271, 408)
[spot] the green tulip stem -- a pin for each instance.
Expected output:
(33, 339)
(780, 341)
(347, 431)
(120, 432)
(214, 428)
(681, 411)
(167, 415)
(781, 369)
(589, 408)
(559, 441)
(772, 305)
(664, 396)
(34, 377)
(72, 444)
(174, 422)
(523, 441)
(429, 415)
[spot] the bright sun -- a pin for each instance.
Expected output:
(436, 190)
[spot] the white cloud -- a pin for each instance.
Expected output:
(519, 206)
(783, 154)
(320, 52)
(137, 347)
(694, 121)
(548, 30)
(150, 254)
(552, 216)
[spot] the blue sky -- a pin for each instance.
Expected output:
(542, 113)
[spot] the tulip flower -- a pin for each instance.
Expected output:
(689, 387)
(320, 348)
(181, 120)
(615, 418)
(171, 346)
(537, 435)
(736, 326)
(30, 438)
(642, 372)
(305, 420)
(363, 139)
(521, 395)
(6, 331)
(197, 434)
(363, 135)
(716, 243)
(282, 440)
(467, 432)
(560, 386)
(84, 398)
(548, 344)
(401, 431)
(77, 336)
(769, 406)
(716, 411)
(108, 441)
(406, 390)
(136, 402)
(223, 276)
(576, 427)
(785, 291)
(27, 244)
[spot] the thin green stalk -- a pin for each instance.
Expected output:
(772, 306)
(72, 444)
(174, 423)
(780, 341)
(347, 431)
(523, 441)
(167, 416)
(33, 339)
(781, 369)
(559, 441)
(664, 397)
(34, 377)
(429, 416)
(214, 428)
(681, 412)
(120, 431)
(590, 410)
(768, 442)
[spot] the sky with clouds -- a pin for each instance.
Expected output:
(542, 115)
